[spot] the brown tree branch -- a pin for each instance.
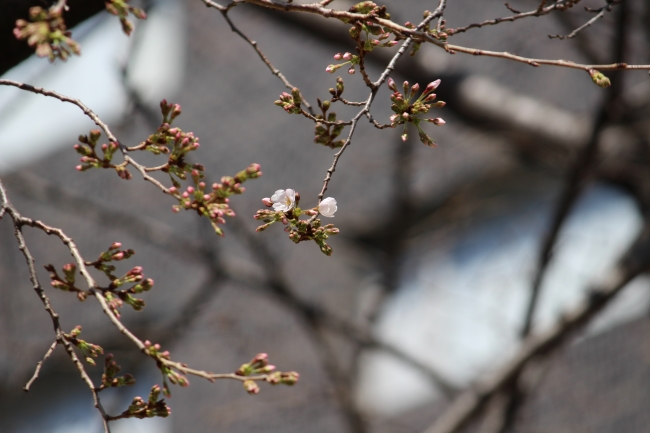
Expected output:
(224, 12)
(599, 15)
(560, 5)
(19, 221)
(39, 365)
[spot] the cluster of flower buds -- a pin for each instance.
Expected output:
(110, 378)
(326, 134)
(290, 102)
(121, 9)
(599, 78)
(213, 204)
(88, 350)
(153, 350)
(338, 90)
(407, 111)
(284, 204)
(90, 158)
(67, 283)
(47, 32)
(368, 7)
(149, 409)
(172, 141)
(441, 33)
(259, 365)
(371, 29)
(350, 59)
(115, 297)
(141, 285)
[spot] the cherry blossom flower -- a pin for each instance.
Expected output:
(284, 200)
(327, 207)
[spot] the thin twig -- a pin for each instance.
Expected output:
(541, 10)
(366, 109)
(39, 365)
(19, 221)
(95, 118)
(416, 34)
(599, 15)
(252, 43)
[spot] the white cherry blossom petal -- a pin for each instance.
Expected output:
(327, 207)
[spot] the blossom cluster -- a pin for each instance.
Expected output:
(176, 144)
(110, 379)
(407, 111)
(47, 32)
(176, 378)
(259, 365)
(148, 409)
(328, 132)
(213, 204)
(88, 350)
(290, 102)
(121, 9)
(284, 209)
(115, 295)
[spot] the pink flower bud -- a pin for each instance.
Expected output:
(78, 168)
(330, 69)
(267, 202)
(351, 71)
(206, 197)
(391, 85)
(432, 86)
(338, 56)
(347, 56)
(172, 189)
(190, 189)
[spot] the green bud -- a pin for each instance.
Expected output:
(599, 78)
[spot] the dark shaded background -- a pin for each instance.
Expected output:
(217, 302)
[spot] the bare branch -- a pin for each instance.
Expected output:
(599, 15)
(416, 34)
(267, 62)
(95, 118)
(542, 9)
(39, 365)
(19, 221)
